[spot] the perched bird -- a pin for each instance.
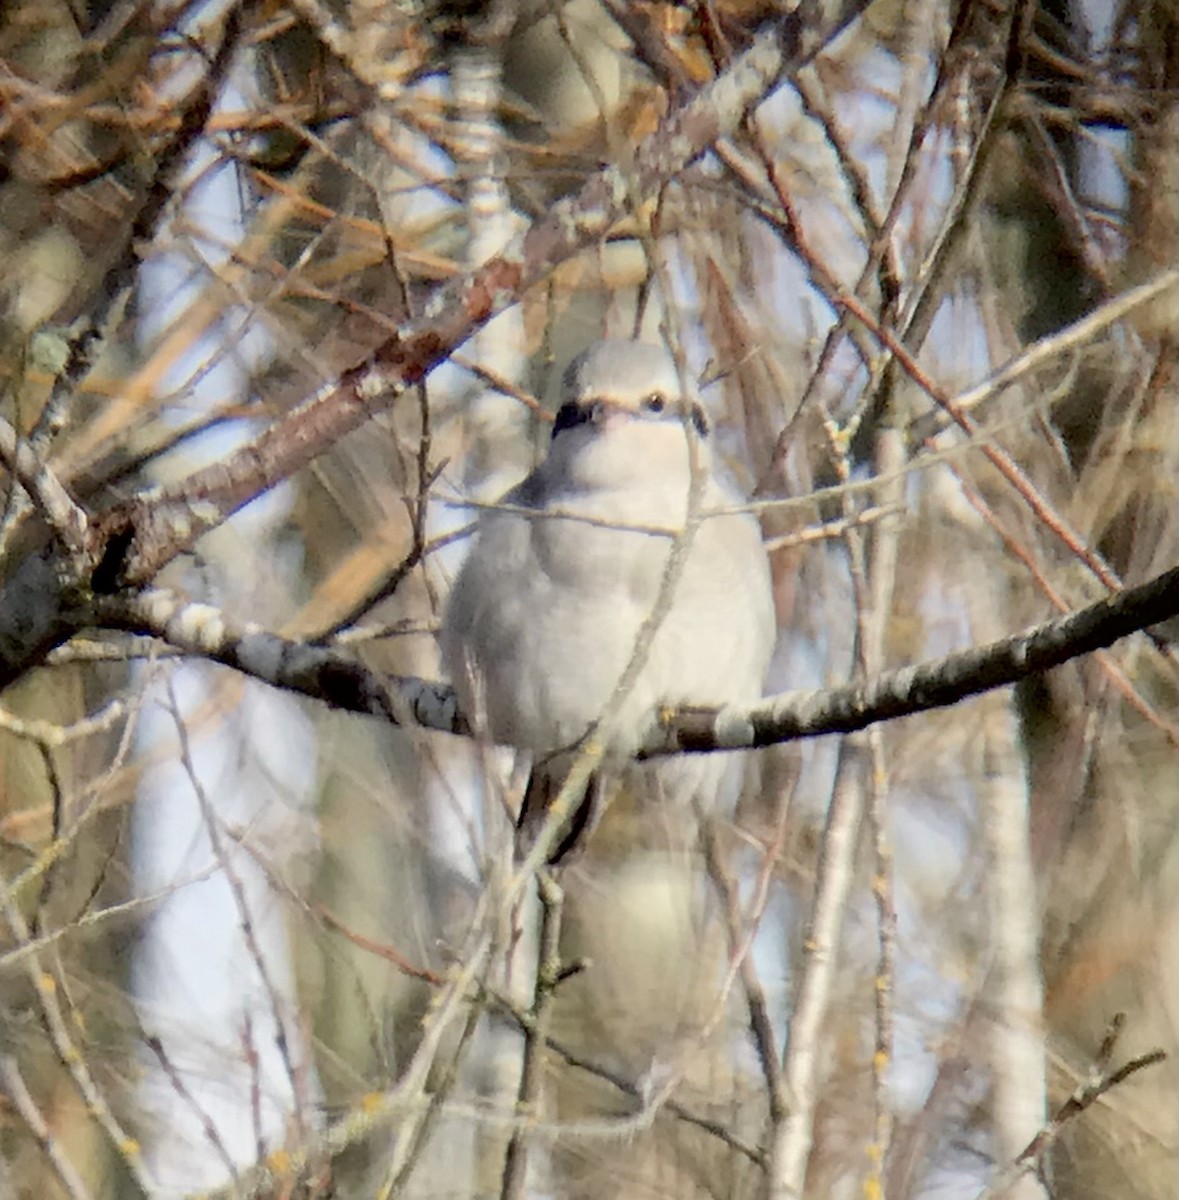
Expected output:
(545, 613)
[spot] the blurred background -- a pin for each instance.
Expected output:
(233, 919)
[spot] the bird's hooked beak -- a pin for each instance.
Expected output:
(605, 414)
(599, 414)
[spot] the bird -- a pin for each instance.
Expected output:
(546, 611)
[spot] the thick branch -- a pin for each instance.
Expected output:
(344, 683)
(336, 678)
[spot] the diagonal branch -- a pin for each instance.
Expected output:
(935, 684)
(136, 539)
(67, 521)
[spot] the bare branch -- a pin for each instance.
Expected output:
(144, 535)
(345, 683)
(925, 686)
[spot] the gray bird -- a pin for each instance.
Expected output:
(544, 616)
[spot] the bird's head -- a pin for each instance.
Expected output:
(624, 415)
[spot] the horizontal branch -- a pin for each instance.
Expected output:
(344, 683)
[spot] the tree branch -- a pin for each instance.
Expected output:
(131, 542)
(151, 529)
(925, 686)
(343, 682)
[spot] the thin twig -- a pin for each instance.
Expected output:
(994, 454)
(221, 852)
(740, 945)
(1071, 337)
(36, 1124)
(1101, 1081)
(529, 1097)
(45, 988)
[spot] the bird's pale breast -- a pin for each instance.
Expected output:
(549, 610)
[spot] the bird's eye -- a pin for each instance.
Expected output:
(654, 403)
